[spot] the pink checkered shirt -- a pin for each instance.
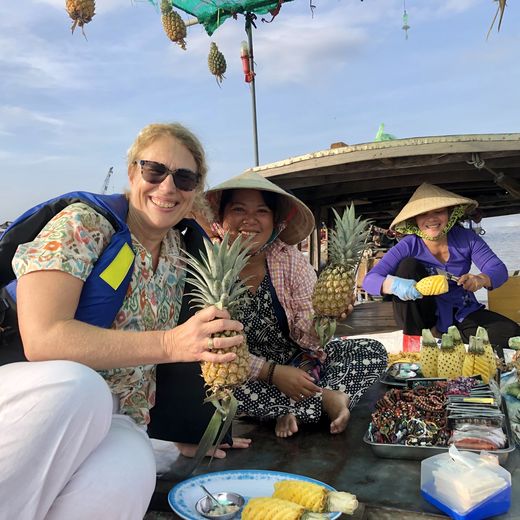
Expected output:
(293, 278)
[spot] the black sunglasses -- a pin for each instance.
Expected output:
(155, 173)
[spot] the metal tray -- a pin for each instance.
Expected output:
(401, 451)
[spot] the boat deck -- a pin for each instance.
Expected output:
(386, 488)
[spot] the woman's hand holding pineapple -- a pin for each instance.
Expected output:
(403, 288)
(193, 341)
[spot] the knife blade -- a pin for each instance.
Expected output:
(448, 275)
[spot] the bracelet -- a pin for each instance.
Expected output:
(270, 373)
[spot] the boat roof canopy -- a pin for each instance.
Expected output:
(380, 177)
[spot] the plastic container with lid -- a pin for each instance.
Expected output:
(466, 485)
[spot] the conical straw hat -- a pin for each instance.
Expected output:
(428, 197)
(300, 220)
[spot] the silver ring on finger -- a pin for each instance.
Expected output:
(211, 345)
(302, 396)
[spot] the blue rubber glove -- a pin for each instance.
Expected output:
(405, 289)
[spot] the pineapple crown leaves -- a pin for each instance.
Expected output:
(455, 334)
(446, 342)
(166, 7)
(349, 238)
(427, 338)
(482, 333)
(476, 345)
(216, 275)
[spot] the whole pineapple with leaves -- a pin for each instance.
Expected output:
(173, 24)
(488, 351)
(458, 344)
(216, 62)
(81, 12)
(475, 361)
(449, 364)
(429, 354)
(216, 280)
(334, 290)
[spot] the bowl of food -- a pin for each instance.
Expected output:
(229, 505)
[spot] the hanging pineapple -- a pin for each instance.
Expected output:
(449, 364)
(216, 63)
(173, 24)
(81, 12)
(475, 362)
(458, 344)
(488, 351)
(429, 354)
(334, 290)
(216, 280)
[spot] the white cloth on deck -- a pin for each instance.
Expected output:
(63, 453)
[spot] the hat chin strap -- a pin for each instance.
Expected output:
(410, 228)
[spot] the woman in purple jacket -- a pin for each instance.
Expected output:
(434, 241)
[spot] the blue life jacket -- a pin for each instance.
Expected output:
(100, 300)
(105, 288)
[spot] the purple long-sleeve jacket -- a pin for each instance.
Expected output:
(465, 248)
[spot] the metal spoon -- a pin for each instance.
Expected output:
(219, 505)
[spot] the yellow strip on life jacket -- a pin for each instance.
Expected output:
(116, 271)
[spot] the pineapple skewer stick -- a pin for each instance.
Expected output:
(314, 497)
(267, 508)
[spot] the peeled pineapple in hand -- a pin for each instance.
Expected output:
(432, 285)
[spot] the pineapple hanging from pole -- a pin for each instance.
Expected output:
(173, 24)
(216, 280)
(334, 290)
(81, 12)
(216, 63)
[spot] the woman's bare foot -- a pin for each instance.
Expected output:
(335, 404)
(286, 425)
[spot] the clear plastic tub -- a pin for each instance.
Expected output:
(465, 485)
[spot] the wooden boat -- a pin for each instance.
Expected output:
(378, 178)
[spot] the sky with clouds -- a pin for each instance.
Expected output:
(70, 108)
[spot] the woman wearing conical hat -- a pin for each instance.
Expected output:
(292, 380)
(434, 240)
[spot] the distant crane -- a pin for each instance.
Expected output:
(104, 189)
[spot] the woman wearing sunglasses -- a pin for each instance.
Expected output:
(73, 440)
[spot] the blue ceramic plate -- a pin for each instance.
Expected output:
(248, 483)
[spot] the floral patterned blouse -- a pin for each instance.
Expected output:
(72, 242)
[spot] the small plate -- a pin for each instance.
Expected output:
(248, 483)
